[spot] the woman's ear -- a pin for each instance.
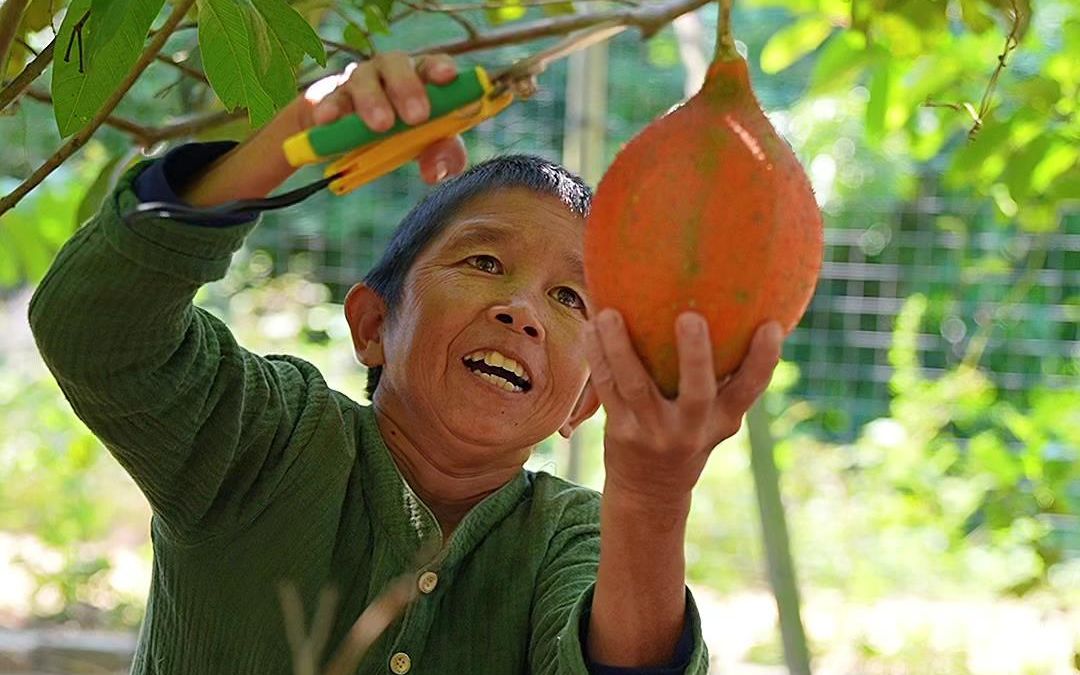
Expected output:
(365, 311)
(587, 404)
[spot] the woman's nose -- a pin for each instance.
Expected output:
(519, 318)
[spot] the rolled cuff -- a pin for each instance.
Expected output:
(691, 655)
(195, 254)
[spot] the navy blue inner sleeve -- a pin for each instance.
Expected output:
(160, 181)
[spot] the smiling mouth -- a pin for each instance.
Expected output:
(499, 377)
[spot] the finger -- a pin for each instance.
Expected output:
(403, 86)
(753, 375)
(443, 158)
(600, 372)
(632, 381)
(364, 94)
(697, 379)
(436, 68)
(323, 108)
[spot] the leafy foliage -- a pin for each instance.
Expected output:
(1024, 153)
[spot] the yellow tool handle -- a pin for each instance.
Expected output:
(372, 161)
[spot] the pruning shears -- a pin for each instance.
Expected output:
(471, 98)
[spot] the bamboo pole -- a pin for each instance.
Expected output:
(775, 535)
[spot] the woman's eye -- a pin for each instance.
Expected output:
(575, 300)
(482, 262)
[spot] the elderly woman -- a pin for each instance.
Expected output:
(477, 328)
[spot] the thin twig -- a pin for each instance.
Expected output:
(186, 70)
(375, 619)
(342, 47)
(76, 37)
(470, 30)
(27, 46)
(1012, 41)
(28, 75)
(648, 18)
(143, 135)
(84, 134)
(450, 12)
(194, 125)
(467, 7)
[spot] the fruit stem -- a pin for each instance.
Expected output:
(725, 43)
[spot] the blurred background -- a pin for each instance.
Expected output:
(926, 415)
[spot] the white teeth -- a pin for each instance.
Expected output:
(499, 382)
(494, 358)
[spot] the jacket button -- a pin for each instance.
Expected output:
(400, 663)
(428, 581)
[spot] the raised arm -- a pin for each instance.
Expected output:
(209, 431)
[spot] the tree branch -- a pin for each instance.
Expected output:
(83, 135)
(649, 19)
(466, 7)
(28, 75)
(194, 125)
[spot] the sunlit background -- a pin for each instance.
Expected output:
(926, 415)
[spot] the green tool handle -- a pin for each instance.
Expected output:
(350, 132)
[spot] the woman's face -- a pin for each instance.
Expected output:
(506, 276)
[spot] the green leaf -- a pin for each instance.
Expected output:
(106, 18)
(295, 35)
(77, 97)
(1058, 159)
(98, 190)
(376, 20)
(1038, 217)
(270, 58)
(355, 37)
(511, 10)
(102, 186)
(901, 37)
(31, 253)
(228, 55)
(1041, 93)
(383, 6)
(38, 14)
(1017, 175)
(790, 44)
(975, 17)
(991, 455)
(843, 56)
(559, 8)
(9, 271)
(881, 85)
(991, 140)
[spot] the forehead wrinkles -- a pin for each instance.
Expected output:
(478, 234)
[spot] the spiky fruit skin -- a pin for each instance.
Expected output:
(706, 209)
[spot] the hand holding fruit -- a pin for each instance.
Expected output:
(656, 448)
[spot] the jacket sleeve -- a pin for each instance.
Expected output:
(209, 431)
(563, 598)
